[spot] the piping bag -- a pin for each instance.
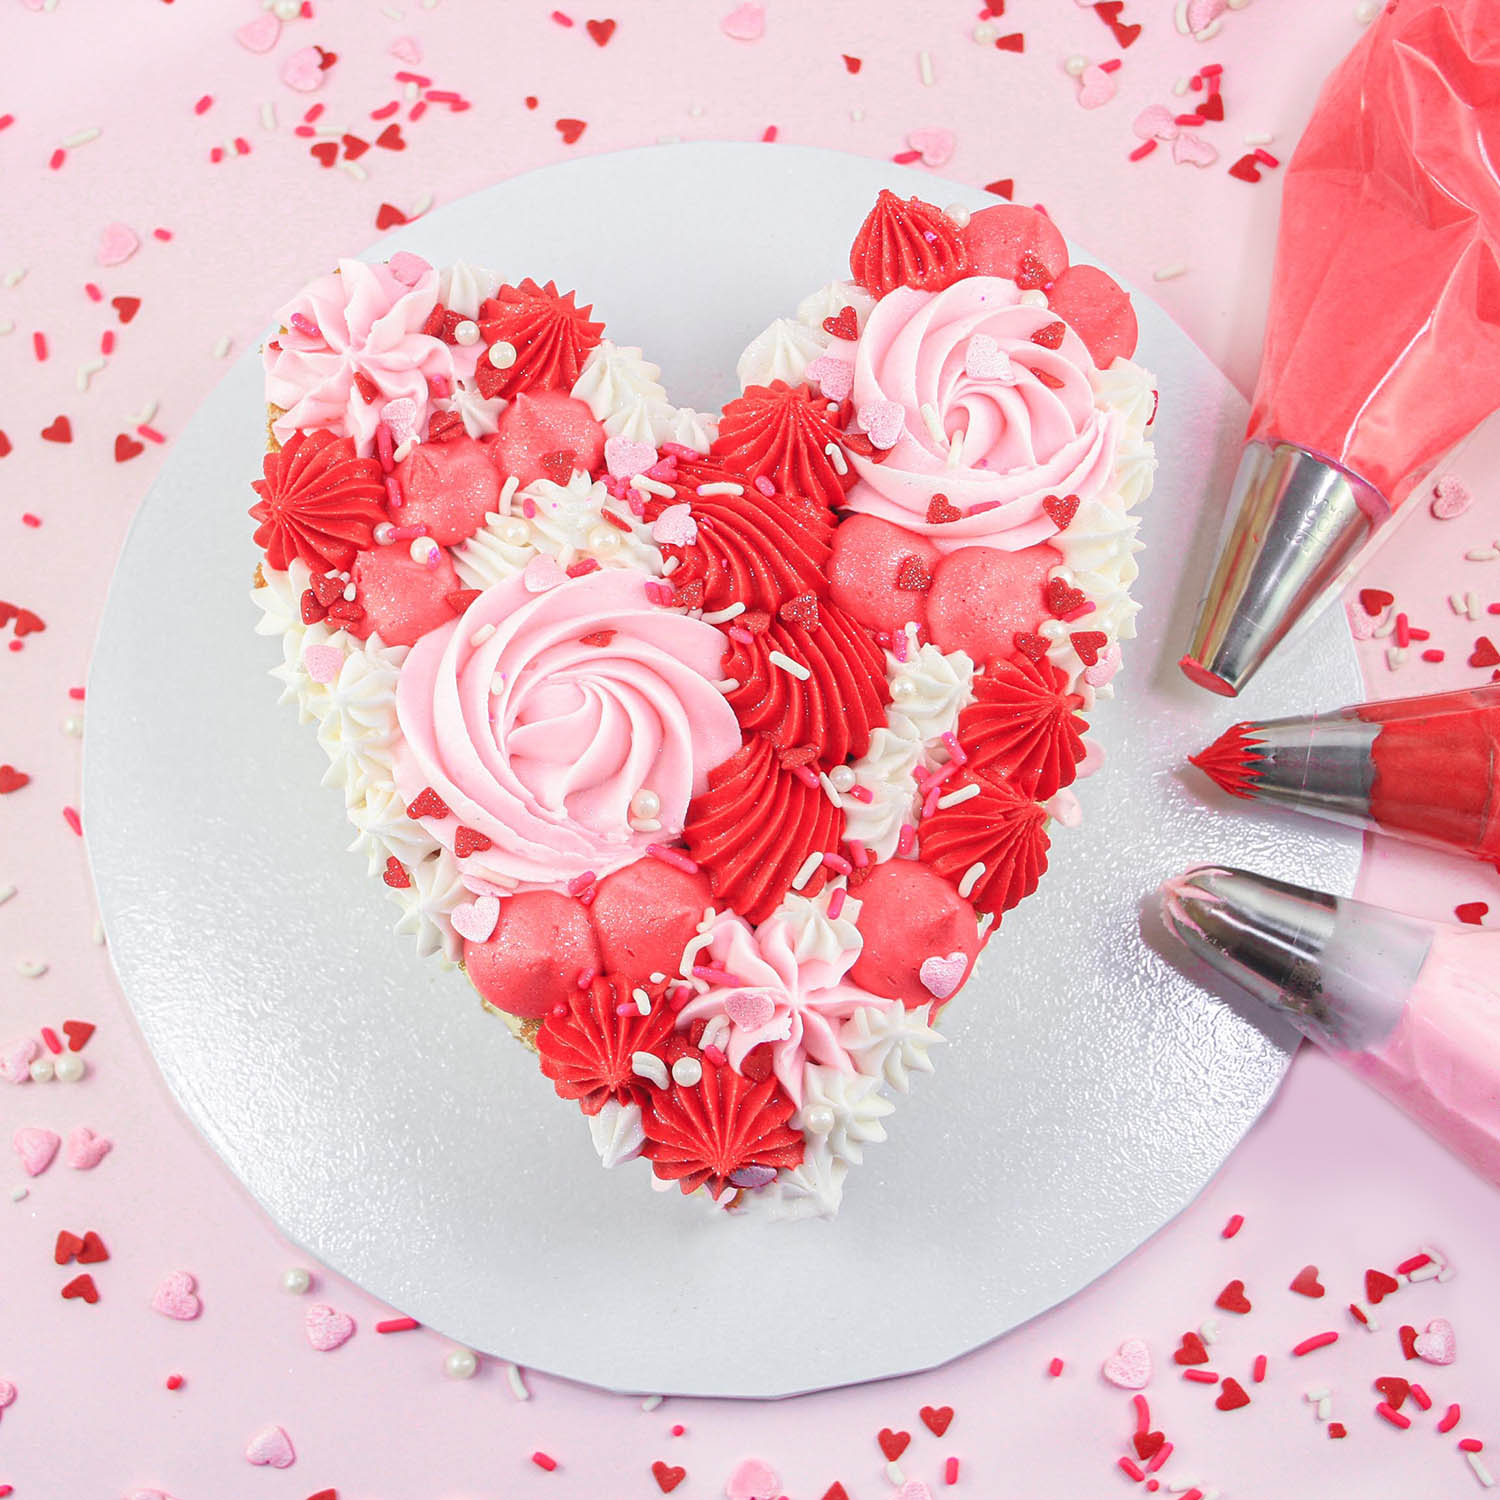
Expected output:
(1425, 769)
(1382, 347)
(1412, 1007)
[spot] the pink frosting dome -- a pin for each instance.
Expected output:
(538, 739)
(363, 320)
(966, 353)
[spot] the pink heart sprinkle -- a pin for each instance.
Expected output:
(1105, 668)
(745, 23)
(1361, 626)
(323, 663)
(407, 48)
(261, 34)
(117, 243)
(755, 1479)
(326, 1327)
(750, 1009)
(1436, 1343)
(941, 976)
(7, 1394)
(625, 458)
(1203, 13)
(833, 377)
(675, 527)
(16, 1060)
(176, 1297)
(1450, 497)
(1129, 1367)
(271, 1446)
(407, 268)
(1095, 87)
(1194, 150)
(36, 1148)
(475, 920)
(1156, 123)
(913, 1489)
(984, 359)
(542, 573)
(402, 416)
(882, 422)
(86, 1150)
(934, 143)
(752, 1177)
(303, 70)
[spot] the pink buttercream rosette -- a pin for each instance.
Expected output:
(539, 739)
(966, 355)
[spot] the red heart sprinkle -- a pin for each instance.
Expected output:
(27, 621)
(78, 1034)
(1212, 108)
(81, 1286)
(427, 804)
(792, 756)
(835, 1491)
(941, 510)
(1050, 335)
(1148, 1444)
(912, 575)
(852, 64)
(1408, 1336)
(1394, 1389)
(1306, 1284)
(1472, 913)
(570, 130)
(1031, 274)
(126, 307)
(1247, 169)
(844, 326)
(1002, 187)
(756, 621)
(467, 841)
(460, 599)
(667, 1476)
(388, 216)
(327, 589)
(597, 638)
(1088, 644)
(68, 1245)
(321, 1495)
(1233, 1298)
(1375, 602)
(395, 874)
(803, 611)
(1379, 1285)
(369, 392)
(1126, 35)
(1063, 599)
(1034, 646)
(4, 445)
(1061, 509)
(127, 448)
(326, 153)
(1337, 1430)
(1048, 379)
(354, 147)
(558, 465)
(936, 1419)
(1193, 1351)
(12, 780)
(325, 59)
(892, 1444)
(59, 430)
(1485, 654)
(1014, 42)
(92, 1250)
(1232, 1396)
(390, 138)
(312, 609)
(601, 31)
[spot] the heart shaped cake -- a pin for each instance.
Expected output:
(712, 747)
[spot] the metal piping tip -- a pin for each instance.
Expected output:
(1294, 522)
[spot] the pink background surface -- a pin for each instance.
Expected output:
(1331, 1175)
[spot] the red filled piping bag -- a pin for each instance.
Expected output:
(1383, 343)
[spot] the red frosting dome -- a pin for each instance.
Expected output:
(908, 243)
(1002, 829)
(755, 826)
(1022, 726)
(587, 1052)
(319, 502)
(836, 707)
(545, 434)
(782, 432)
(646, 914)
(920, 936)
(721, 1126)
(752, 549)
(549, 332)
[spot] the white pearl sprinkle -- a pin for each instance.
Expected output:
(985, 33)
(296, 1280)
(819, 1119)
(957, 215)
(287, 10)
(423, 548)
(1075, 64)
(842, 778)
(466, 333)
(460, 1364)
(645, 803)
(68, 1068)
(41, 1070)
(687, 1071)
(502, 355)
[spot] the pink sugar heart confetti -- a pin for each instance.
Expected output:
(933, 143)
(1129, 1367)
(323, 663)
(326, 1327)
(745, 23)
(624, 457)
(1435, 1343)
(406, 49)
(7, 1394)
(833, 377)
(86, 1150)
(542, 573)
(913, 1489)
(882, 422)
(1105, 668)
(407, 268)
(752, 1177)
(1156, 123)
(117, 243)
(1064, 808)
(755, 1479)
(1201, 14)
(1361, 626)
(675, 527)
(303, 70)
(36, 1148)
(261, 34)
(1095, 87)
(984, 359)
(941, 976)
(1450, 497)
(16, 1060)
(475, 920)
(177, 1297)
(271, 1447)
(402, 417)
(1194, 150)
(749, 1009)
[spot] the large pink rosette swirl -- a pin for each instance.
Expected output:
(966, 354)
(539, 740)
(367, 320)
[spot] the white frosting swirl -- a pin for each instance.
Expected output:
(829, 301)
(891, 1042)
(617, 1132)
(462, 287)
(782, 352)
